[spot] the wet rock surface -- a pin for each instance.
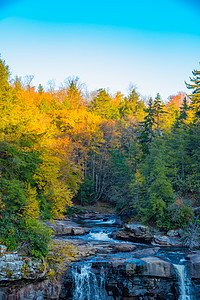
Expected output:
(129, 271)
(130, 278)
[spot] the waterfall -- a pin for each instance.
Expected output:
(184, 282)
(87, 285)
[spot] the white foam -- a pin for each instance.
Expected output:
(100, 236)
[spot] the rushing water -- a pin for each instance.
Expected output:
(100, 236)
(184, 282)
(87, 286)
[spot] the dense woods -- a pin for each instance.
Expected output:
(65, 146)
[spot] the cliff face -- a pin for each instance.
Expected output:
(29, 290)
(14, 266)
(22, 277)
(145, 278)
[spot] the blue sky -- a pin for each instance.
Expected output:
(153, 44)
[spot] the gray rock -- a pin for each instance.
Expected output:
(66, 228)
(36, 290)
(78, 231)
(166, 241)
(123, 247)
(137, 228)
(145, 252)
(172, 233)
(135, 232)
(16, 267)
(194, 266)
(132, 278)
(157, 267)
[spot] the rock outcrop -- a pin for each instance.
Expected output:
(194, 259)
(22, 277)
(66, 228)
(32, 290)
(163, 240)
(125, 271)
(136, 233)
(16, 267)
(139, 233)
(130, 278)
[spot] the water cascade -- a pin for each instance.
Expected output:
(87, 286)
(100, 236)
(184, 282)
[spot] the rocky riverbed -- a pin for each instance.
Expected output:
(113, 261)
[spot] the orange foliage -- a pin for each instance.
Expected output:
(176, 100)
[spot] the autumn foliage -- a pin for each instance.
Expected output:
(65, 145)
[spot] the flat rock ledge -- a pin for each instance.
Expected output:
(16, 267)
(62, 227)
(136, 232)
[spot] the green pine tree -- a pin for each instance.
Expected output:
(195, 96)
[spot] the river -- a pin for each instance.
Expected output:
(163, 275)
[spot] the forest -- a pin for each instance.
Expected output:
(63, 147)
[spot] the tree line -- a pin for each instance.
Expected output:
(60, 146)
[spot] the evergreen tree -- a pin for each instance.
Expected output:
(158, 106)
(195, 96)
(159, 191)
(183, 111)
(146, 132)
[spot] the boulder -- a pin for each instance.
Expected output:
(123, 247)
(163, 240)
(78, 231)
(135, 232)
(85, 248)
(66, 228)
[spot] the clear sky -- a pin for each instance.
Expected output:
(108, 44)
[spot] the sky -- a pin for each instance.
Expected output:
(153, 45)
